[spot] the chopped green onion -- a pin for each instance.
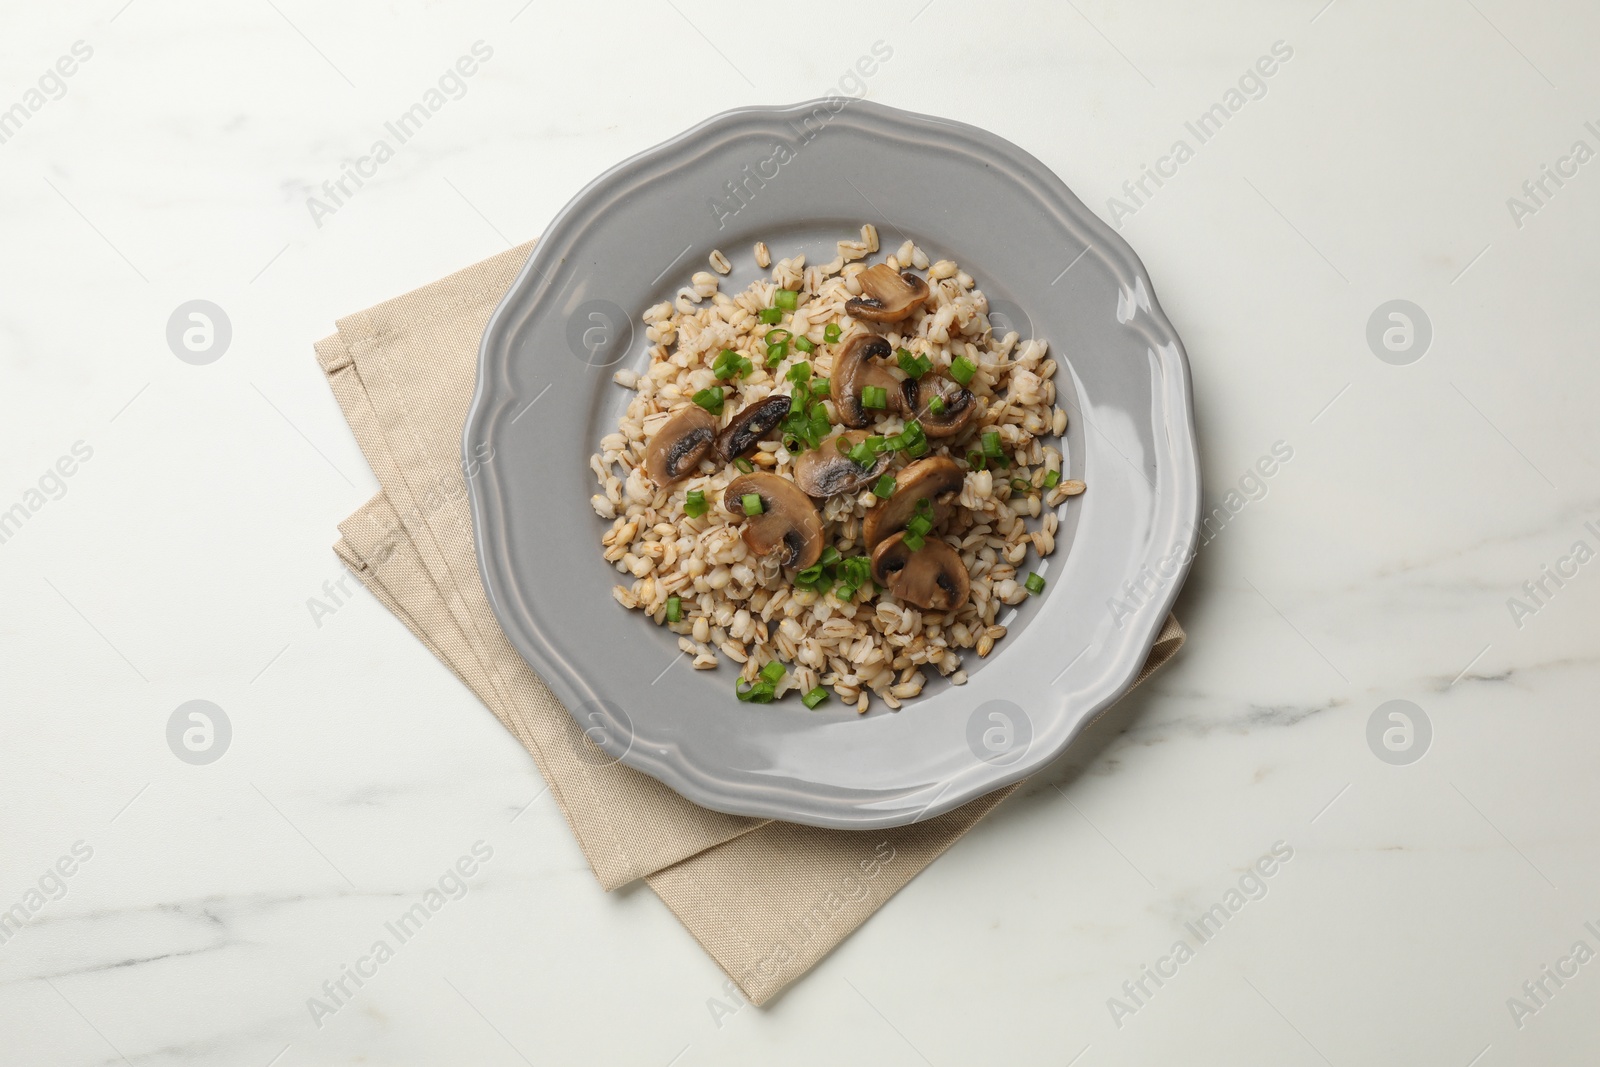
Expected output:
(744, 465)
(800, 372)
(819, 423)
(913, 541)
(914, 366)
(885, 487)
(829, 557)
(775, 336)
(863, 455)
(1021, 485)
(821, 386)
(674, 609)
(728, 363)
(991, 444)
(1052, 479)
(918, 450)
(962, 369)
(842, 444)
(875, 443)
(810, 575)
(694, 503)
(752, 503)
(874, 396)
(793, 445)
(787, 299)
(758, 693)
(920, 525)
(895, 442)
(710, 399)
(770, 316)
(815, 697)
(772, 672)
(936, 405)
(803, 343)
(977, 460)
(924, 506)
(1035, 584)
(776, 352)
(831, 332)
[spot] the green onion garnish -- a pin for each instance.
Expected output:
(920, 525)
(674, 609)
(1052, 479)
(758, 693)
(829, 557)
(885, 487)
(770, 316)
(962, 369)
(694, 503)
(752, 503)
(772, 672)
(977, 460)
(776, 352)
(793, 445)
(1035, 584)
(874, 396)
(744, 465)
(831, 332)
(803, 343)
(710, 399)
(1021, 485)
(936, 405)
(800, 372)
(728, 363)
(815, 697)
(775, 336)
(913, 541)
(787, 299)
(914, 366)
(863, 455)
(991, 444)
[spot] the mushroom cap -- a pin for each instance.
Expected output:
(855, 368)
(679, 446)
(788, 522)
(749, 426)
(960, 405)
(933, 577)
(936, 479)
(826, 471)
(885, 295)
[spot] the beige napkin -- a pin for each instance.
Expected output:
(766, 899)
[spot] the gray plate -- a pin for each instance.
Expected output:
(801, 178)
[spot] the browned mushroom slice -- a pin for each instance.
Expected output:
(679, 446)
(827, 471)
(787, 523)
(936, 479)
(855, 367)
(932, 577)
(957, 405)
(740, 437)
(885, 295)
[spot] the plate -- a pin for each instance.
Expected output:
(800, 178)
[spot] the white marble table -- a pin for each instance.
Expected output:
(176, 552)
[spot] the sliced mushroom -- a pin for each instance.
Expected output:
(932, 577)
(936, 479)
(788, 522)
(740, 437)
(856, 366)
(827, 471)
(885, 295)
(959, 405)
(679, 446)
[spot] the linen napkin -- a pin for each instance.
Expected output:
(767, 900)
